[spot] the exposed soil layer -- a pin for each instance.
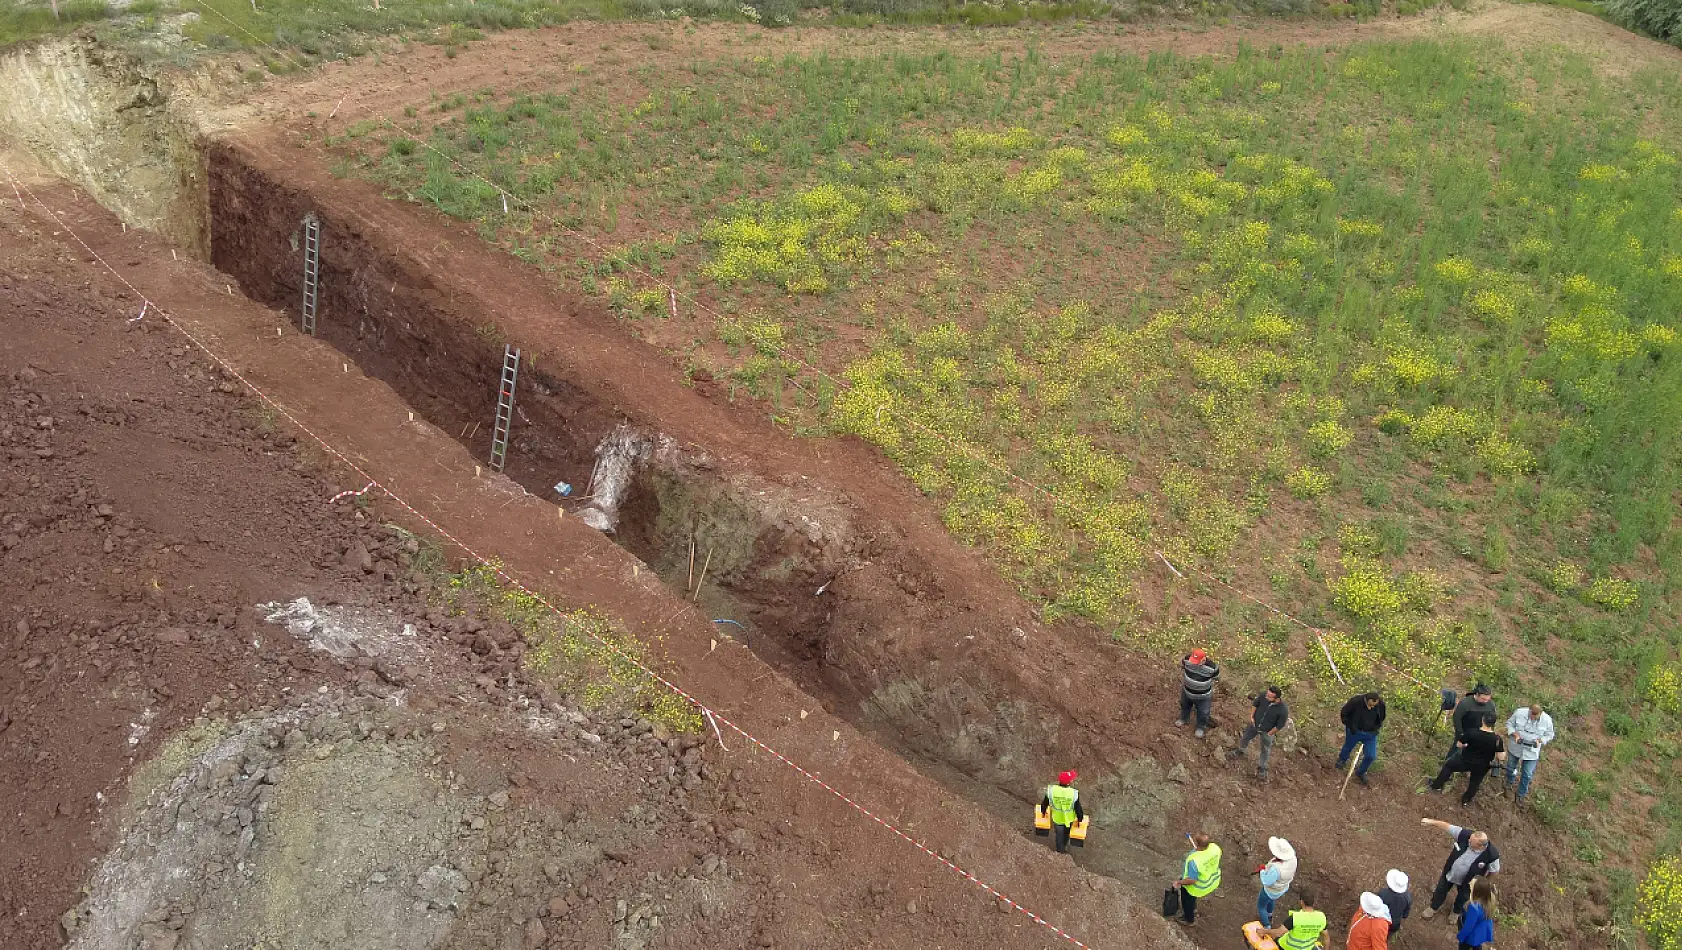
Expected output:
(115, 124)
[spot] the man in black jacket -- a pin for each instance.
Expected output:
(1468, 715)
(1362, 717)
(1475, 755)
(1266, 719)
(1396, 897)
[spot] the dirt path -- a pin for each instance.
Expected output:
(542, 59)
(251, 526)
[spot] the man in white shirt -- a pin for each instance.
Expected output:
(1528, 730)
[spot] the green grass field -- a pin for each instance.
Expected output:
(1388, 336)
(310, 30)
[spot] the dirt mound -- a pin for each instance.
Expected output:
(338, 823)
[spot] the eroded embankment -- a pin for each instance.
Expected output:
(111, 124)
(823, 587)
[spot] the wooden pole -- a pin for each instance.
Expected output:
(706, 564)
(1354, 760)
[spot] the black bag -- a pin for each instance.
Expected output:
(1171, 902)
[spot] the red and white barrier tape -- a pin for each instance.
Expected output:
(351, 493)
(712, 715)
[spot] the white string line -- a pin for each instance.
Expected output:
(713, 717)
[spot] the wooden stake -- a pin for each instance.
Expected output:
(1353, 761)
(704, 565)
(690, 584)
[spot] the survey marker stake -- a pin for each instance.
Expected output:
(504, 406)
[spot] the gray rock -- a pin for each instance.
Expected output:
(441, 887)
(155, 937)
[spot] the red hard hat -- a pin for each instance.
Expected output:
(1198, 656)
(1066, 778)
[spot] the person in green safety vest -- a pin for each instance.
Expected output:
(1304, 928)
(1202, 875)
(1063, 803)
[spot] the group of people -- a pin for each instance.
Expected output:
(1471, 863)
(1476, 749)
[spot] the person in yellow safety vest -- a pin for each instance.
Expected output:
(1063, 803)
(1304, 928)
(1202, 876)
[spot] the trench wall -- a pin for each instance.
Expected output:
(113, 126)
(400, 324)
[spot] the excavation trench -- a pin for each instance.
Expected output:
(758, 556)
(860, 624)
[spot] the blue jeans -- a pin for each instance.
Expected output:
(1525, 769)
(1200, 704)
(1369, 749)
(1264, 908)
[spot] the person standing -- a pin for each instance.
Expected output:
(1201, 875)
(1473, 857)
(1477, 927)
(1468, 715)
(1063, 804)
(1266, 719)
(1396, 897)
(1476, 754)
(1197, 688)
(1528, 730)
(1362, 717)
(1370, 930)
(1276, 876)
(1304, 928)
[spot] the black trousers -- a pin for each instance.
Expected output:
(1188, 906)
(1060, 837)
(1474, 777)
(1461, 893)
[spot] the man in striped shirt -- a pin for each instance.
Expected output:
(1197, 688)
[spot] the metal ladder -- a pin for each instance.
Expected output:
(312, 271)
(504, 406)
